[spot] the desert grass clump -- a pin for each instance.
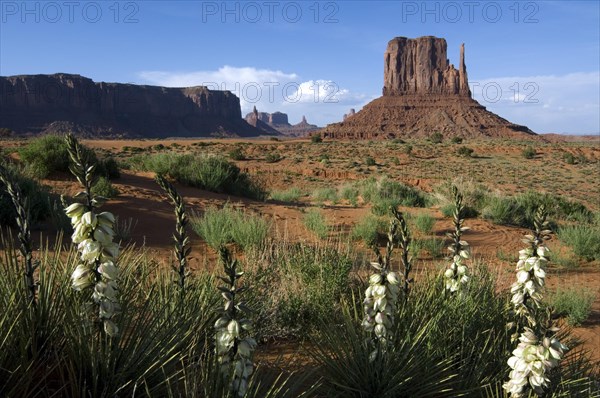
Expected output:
(583, 239)
(539, 350)
(234, 345)
(321, 195)
(573, 303)
(529, 152)
(93, 234)
(228, 225)
(289, 195)
(315, 222)
(423, 222)
(296, 286)
(474, 196)
(457, 274)
(209, 172)
(367, 229)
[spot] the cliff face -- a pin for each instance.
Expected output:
(421, 66)
(45, 103)
(423, 93)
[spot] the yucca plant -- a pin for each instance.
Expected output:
(539, 350)
(406, 370)
(457, 274)
(380, 297)
(182, 249)
(93, 234)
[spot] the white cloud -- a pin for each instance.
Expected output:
(566, 103)
(322, 101)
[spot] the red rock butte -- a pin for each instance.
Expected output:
(423, 93)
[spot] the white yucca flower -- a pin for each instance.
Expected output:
(538, 350)
(530, 363)
(527, 290)
(233, 344)
(98, 256)
(380, 305)
(457, 275)
(93, 234)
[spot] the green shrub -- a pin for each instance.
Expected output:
(457, 140)
(109, 168)
(408, 149)
(407, 195)
(38, 198)
(424, 223)
(203, 171)
(315, 222)
(569, 158)
(574, 303)
(436, 138)
(583, 239)
(350, 193)
(464, 152)
(45, 155)
(273, 157)
(369, 161)
(289, 195)
(368, 229)
(529, 152)
(104, 187)
(316, 138)
(237, 153)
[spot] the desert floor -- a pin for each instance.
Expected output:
(498, 165)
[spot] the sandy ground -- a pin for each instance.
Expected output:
(141, 200)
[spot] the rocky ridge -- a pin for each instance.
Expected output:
(65, 102)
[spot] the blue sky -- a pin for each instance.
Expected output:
(533, 62)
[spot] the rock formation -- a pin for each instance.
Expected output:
(423, 93)
(64, 102)
(352, 112)
(278, 122)
(260, 120)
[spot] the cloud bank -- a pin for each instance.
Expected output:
(322, 101)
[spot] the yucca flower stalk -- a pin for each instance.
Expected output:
(23, 222)
(93, 234)
(182, 250)
(538, 350)
(527, 291)
(381, 296)
(457, 274)
(234, 345)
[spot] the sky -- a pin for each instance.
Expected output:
(535, 63)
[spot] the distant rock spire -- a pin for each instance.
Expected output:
(462, 74)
